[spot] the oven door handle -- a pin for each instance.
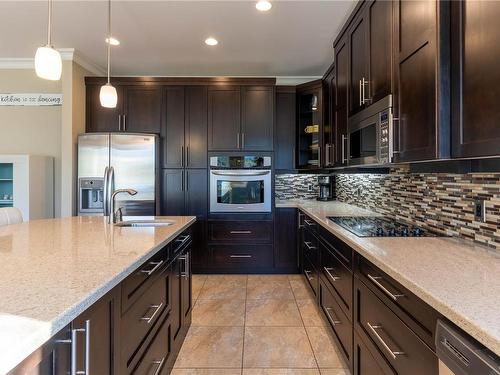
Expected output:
(241, 173)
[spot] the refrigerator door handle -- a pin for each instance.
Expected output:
(105, 192)
(111, 187)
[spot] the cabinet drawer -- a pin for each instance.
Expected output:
(241, 231)
(142, 316)
(341, 325)
(157, 354)
(137, 283)
(367, 359)
(401, 347)
(310, 247)
(310, 224)
(241, 256)
(343, 252)
(311, 275)
(338, 276)
(180, 242)
(412, 310)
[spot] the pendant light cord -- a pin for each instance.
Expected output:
(109, 38)
(49, 26)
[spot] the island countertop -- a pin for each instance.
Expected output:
(458, 278)
(53, 270)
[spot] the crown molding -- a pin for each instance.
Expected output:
(67, 54)
(294, 80)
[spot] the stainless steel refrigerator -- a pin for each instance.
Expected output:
(109, 161)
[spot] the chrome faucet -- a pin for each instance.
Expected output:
(117, 216)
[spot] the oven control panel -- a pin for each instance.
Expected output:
(385, 137)
(240, 162)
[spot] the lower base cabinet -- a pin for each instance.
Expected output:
(366, 361)
(136, 328)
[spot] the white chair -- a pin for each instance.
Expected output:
(10, 215)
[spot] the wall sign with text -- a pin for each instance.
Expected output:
(31, 99)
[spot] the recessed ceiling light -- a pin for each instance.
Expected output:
(263, 5)
(113, 41)
(211, 41)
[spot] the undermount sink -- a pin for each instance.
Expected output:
(145, 223)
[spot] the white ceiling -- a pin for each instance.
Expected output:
(163, 38)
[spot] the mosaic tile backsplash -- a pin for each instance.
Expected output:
(440, 201)
(295, 186)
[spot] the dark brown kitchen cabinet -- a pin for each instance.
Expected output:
(367, 359)
(224, 122)
(284, 141)
(309, 125)
(285, 240)
(328, 141)
(184, 131)
(94, 331)
(380, 18)
(138, 110)
(422, 85)
(340, 100)
(358, 62)
(257, 118)
(142, 109)
(475, 78)
(172, 192)
(99, 118)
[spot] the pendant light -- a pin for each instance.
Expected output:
(48, 64)
(108, 95)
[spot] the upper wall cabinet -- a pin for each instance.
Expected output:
(138, 110)
(328, 143)
(476, 78)
(422, 88)
(240, 118)
(284, 141)
(341, 100)
(358, 58)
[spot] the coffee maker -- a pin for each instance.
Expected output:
(326, 188)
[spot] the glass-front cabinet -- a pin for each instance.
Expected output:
(309, 125)
(6, 185)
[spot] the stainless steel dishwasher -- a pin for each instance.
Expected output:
(459, 354)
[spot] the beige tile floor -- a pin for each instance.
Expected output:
(257, 325)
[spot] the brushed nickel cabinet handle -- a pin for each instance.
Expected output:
(334, 321)
(309, 222)
(377, 327)
(328, 272)
(241, 232)
(182, 156)
(309, 246)
(156, 266)
(119, 123)
(310, 278)
(375, 280)
(242, 140)
(149, 319)
(74, 354)
(240, 256)
(344, 158)
(159, 364)
(237, 140)
(360, 94)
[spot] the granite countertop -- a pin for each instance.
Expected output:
(53, 270)
(458, 278)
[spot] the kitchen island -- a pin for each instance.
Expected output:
(53, 270)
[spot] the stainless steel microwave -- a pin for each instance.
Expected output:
(370, 135)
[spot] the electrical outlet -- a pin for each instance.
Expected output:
(358, 192)
(479, 210)
(310, 187)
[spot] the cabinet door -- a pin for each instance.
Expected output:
(284, 142)
(257, 118)
(172, 192)
(416, 136)
(96, 332)
(172, 132)
(99, 118)
(475, 56)
(340, 100)
(224, 118)
(379, 13)
(196, 127)
(196, 192)
(285, 239)
(142, 111)
(328, 149)
(186, 281)
(358, 62)
(176, 293)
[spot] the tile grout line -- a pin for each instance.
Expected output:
(244, 326)
(304, 327)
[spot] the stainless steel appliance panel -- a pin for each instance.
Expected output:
(134, 158)
(93, 155)
(240, 190)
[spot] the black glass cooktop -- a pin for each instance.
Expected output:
(380, 226)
